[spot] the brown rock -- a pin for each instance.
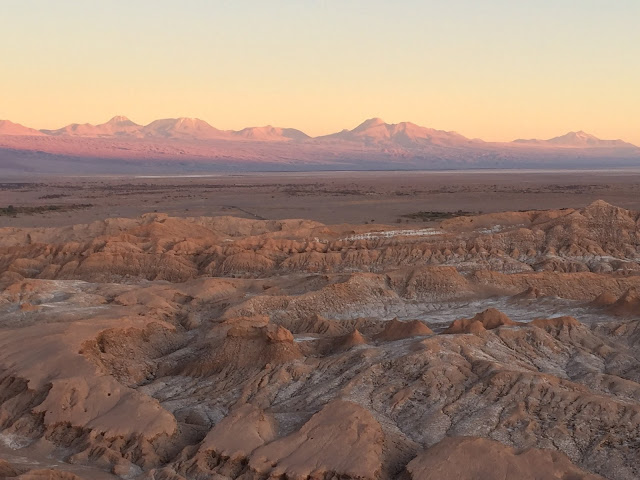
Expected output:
(242, 431)
(246, 347)
(7, 470)
(349, 341)
(487, 320)
(605, 299)
(556, 324)
(472, 458)
(398, 330)
(342, 440)
(47, 474)
(628, 304)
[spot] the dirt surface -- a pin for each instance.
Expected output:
(332, 197)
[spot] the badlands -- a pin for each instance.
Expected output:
(500, 345)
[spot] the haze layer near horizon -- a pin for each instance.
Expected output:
(496, 69)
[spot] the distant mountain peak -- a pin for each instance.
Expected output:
(578, 134)
(182, 127)
(584, 139)
(8, 127)
(190, 120)
(270, 133)
(121, 121)
(370, 123)
(398, 135)
(374, 121)
(578, 139)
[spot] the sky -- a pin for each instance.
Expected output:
(492, 69)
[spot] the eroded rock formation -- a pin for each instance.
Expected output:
(221, 348)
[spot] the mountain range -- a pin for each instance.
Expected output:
(167, 128)
(182, 145)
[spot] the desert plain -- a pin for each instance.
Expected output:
(337, 325)
(327, 197)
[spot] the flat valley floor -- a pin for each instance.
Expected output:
(327, 197)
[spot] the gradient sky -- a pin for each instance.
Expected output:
(495, 69)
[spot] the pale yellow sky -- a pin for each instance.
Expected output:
(488, 69)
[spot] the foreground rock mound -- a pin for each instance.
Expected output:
(343, 440)
(469, 458)
(254, 425)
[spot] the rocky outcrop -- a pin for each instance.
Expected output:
(600, 238)
(342, 440)
(397, 330)
(628, 304)
(470, 458)
(245, 347)
(487, 320)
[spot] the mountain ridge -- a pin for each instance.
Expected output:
(270, 133)
(371, 131)
(181, 145)
(578, 138)
(7, 127)
(408, 134)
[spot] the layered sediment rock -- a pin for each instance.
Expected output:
(163, 348)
